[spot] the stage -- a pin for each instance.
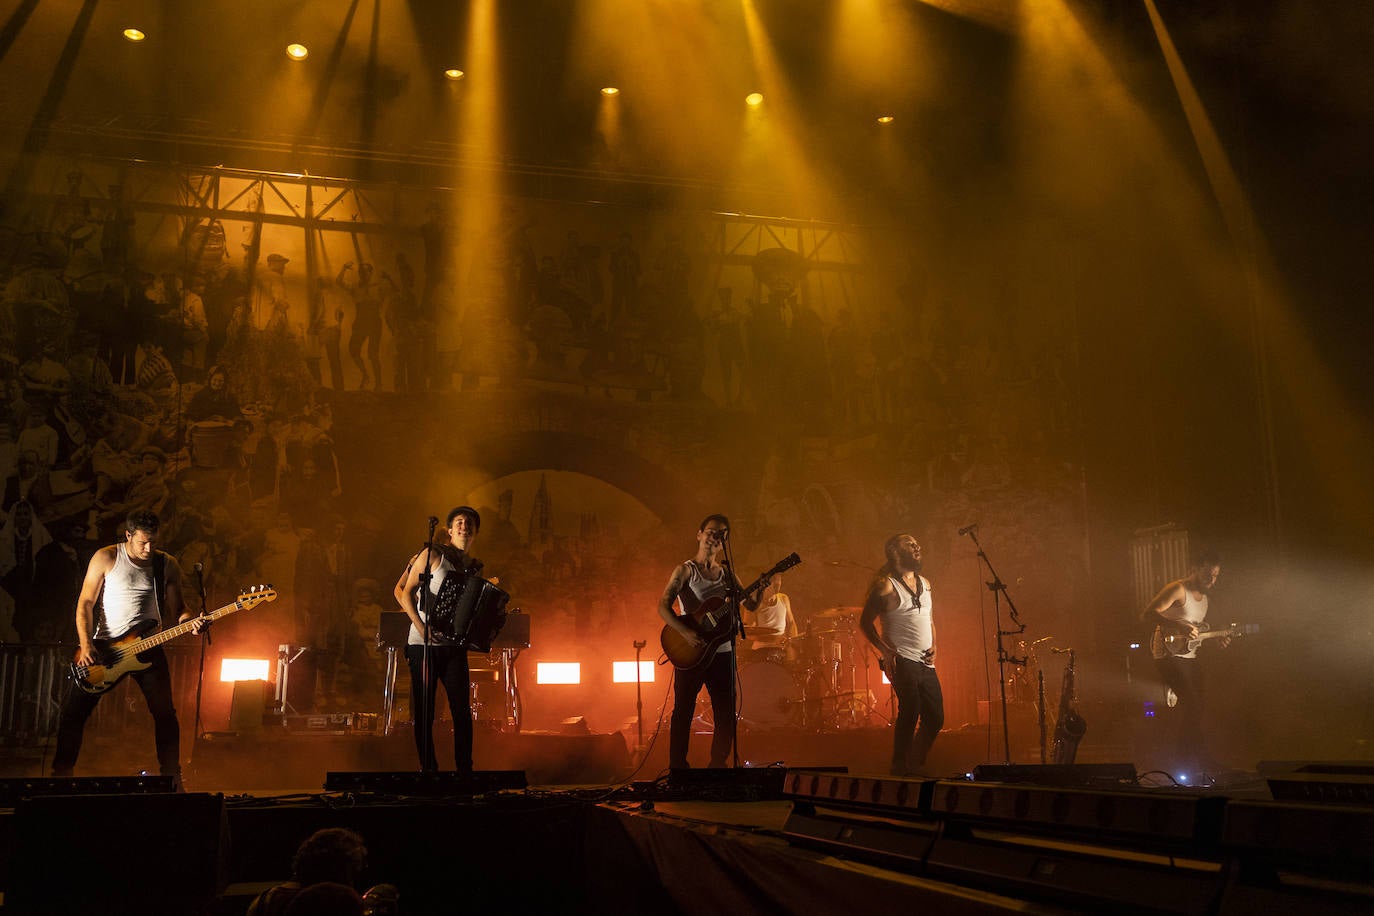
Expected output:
(749, 840)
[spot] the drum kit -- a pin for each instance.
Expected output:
(823, 679)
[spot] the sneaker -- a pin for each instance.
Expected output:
(1170, 698)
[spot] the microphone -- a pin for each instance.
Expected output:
(967, 528)
(433, 521)
(200, 568)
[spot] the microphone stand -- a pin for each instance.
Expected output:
(732, 600)
(999, 590)
(639, 701)
(426, 604)
(200, 674)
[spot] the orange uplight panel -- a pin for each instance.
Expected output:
(243, 669)
(558, 673)
(624, 672)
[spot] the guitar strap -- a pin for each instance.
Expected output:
(159, 578)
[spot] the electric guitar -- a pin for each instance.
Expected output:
(713, 622)
(1181, 644)
(115, 658)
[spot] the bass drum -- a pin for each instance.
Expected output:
(769, 696)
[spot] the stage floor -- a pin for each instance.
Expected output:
(668, 847)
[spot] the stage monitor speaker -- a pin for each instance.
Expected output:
(1163, 818)
(13, 790)
(1336, 782)
(118, 854)
(836, 788)
(447, 782)
(1083, 775)
(248, 706)
(727, 783)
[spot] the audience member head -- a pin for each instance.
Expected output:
(327, 898)
(332, 854)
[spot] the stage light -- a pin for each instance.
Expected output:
(297, 51)
(886, 119)
(558, 673)
(453, 73)
(624, 672)
(134, 34)
(609, 91)
(243, 669)
(754, 99)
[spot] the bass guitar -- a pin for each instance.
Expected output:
(713, 622)
(1182, 644)
(115, 658)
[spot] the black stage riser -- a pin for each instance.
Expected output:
(70, 852)
(301, 761)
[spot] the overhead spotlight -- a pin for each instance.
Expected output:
(886, 119)
(609, 91)
(754, 99)
(134, 34)
(297, 51)
(453, 73)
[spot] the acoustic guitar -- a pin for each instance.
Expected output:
(713, 622)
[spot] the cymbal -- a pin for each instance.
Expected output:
(839, 612)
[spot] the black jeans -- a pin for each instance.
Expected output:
(156, 684)
(918, 698)
(448, 665)
(1184, 677)
(718, 677)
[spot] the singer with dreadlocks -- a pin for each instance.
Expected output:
(899, 599)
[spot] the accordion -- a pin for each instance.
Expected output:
(469, 610)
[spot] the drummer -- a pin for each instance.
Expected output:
(769, 628)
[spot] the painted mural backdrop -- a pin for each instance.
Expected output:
(294, 373)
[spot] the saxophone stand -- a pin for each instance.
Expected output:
(999, 590)
(426, 709)
(1040, 706)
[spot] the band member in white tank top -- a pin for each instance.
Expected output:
(899, 599)
(691, 583)
(123, 576)
(1179, 609)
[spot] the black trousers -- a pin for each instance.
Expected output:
(448, 665)
(918, 698)
(1184, 677)
(718, 677)
(156, 684)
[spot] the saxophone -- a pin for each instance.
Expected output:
(1070, 727)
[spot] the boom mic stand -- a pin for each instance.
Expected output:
(999, 590)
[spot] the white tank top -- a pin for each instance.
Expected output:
(704, 589)
(908, 626)
(128, 597)
(1189, 610)
(415, 637)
